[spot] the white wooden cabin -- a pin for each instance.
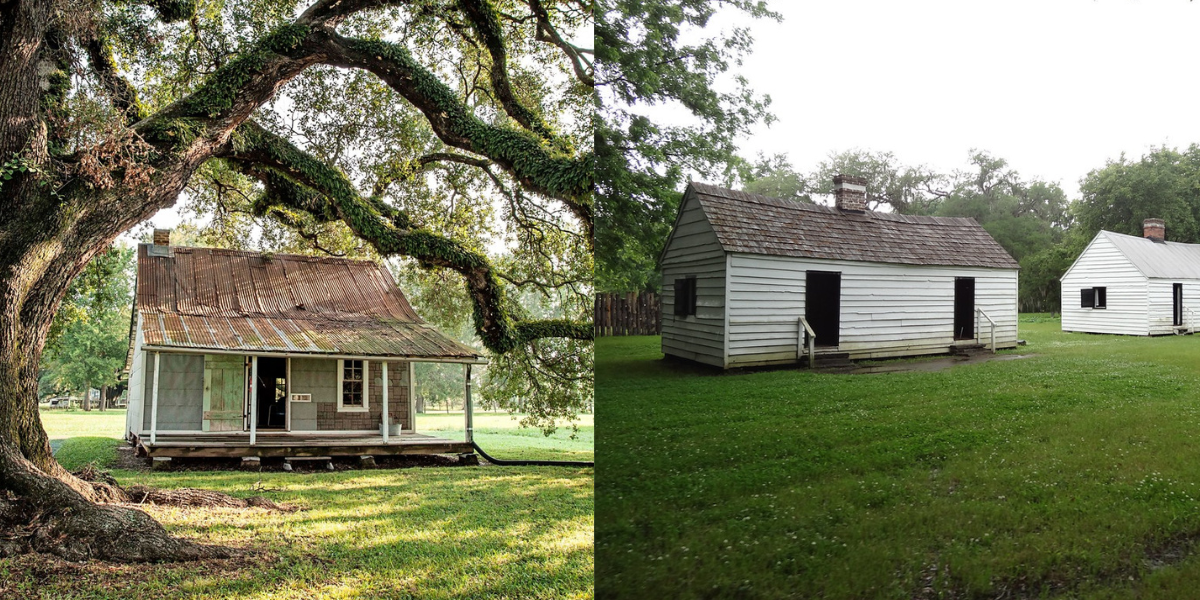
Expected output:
(742, 274)
(1131, 285)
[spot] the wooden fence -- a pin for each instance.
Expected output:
(628, 314)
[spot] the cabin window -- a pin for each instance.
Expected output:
(685, 296)
(1096, 297)
(352, 385)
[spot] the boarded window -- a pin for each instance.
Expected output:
(352, 383)
(1087, 297)
(685, 296)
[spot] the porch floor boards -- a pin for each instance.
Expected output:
(285, 444)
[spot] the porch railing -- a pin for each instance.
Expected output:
(991, 327)
(805, 332)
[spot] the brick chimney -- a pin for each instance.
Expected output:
(162, 237)
(850, 193)
(1154, 229)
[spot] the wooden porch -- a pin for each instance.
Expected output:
(296, 444)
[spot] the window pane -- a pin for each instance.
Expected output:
(1101, 297)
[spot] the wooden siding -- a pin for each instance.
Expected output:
(694, 251)
(886, 309)
(180, 392)
(137, 382)
(1161, 305)
(1102, 265)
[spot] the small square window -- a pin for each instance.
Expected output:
(685, 296)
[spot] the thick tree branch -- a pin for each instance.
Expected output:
(122, 95)
(555, 174)
(297, 180)
(486, 24)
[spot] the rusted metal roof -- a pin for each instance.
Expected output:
(210, 298)
(763, 225)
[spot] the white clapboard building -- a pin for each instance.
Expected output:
(1133, 285)
(743, 274)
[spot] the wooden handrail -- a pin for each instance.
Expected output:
(991, 326)
(801, 330)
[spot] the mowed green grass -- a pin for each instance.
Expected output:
(1073, 472)
(441, 532)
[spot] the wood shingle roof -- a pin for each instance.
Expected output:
(757, 224)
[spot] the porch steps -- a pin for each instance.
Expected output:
(829, 361)
(969, 350)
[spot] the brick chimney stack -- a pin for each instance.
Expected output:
(162, 237)
(1154, 229)
(850, 193)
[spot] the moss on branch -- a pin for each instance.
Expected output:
(537, 165)
(299, 181)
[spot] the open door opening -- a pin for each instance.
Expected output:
(964, 308)
(272, 392)
(823, 306)
(1177, 302)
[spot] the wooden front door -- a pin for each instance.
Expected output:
(964, 308)
(224, 392)
(823, 305)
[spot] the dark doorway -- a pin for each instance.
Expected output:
(272, 393)
(1178, 304)
(964, 308)
(823, 305)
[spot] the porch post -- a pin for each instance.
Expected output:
(412, 396)
(386, 424)
(253, 398)
(467, 408)
(154, 403)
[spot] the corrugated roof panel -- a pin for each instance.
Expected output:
(224, 299)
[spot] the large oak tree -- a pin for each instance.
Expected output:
(110, 108)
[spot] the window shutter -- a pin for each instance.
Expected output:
(1087, 298)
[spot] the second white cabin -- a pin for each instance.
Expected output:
(1131, 285)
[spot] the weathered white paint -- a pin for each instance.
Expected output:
(886, 309)
(154, 403)
(136, 396)
(385, 424)
(253, 399)
(693, 250)
(748, 306)
(1135, 304)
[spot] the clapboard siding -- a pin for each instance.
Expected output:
(694, 251)
(1162, 305)
(886, 309)
(1102, 265)
(137, 378)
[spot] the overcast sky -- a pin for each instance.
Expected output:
(1056, 87)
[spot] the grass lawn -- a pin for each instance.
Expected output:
(1074, 472)
(447, 532)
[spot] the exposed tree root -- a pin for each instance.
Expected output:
(114, 531)
(195, 497)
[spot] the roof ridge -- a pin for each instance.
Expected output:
(274, 255)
